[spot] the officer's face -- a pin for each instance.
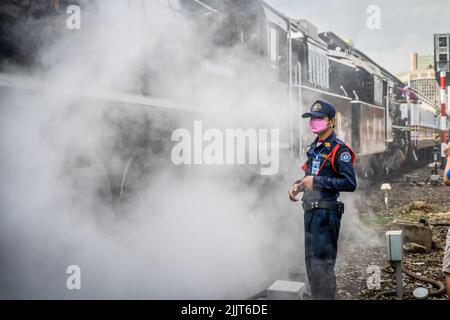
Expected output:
(330, 122)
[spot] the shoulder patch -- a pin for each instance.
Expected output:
(345, 156)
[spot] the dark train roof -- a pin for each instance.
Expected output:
(333, 41)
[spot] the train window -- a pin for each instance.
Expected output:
(273, 46)
(318, 66)
(377, 90)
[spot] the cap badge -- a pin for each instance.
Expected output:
(316, 107)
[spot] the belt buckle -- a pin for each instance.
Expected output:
(311, 205)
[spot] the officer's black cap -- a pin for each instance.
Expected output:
(320, 109)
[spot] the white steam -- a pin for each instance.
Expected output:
(191, 232)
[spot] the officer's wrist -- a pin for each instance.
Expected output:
(314, 181)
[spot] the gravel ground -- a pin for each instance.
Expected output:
(356, 256)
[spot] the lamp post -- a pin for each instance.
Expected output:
(386, 187)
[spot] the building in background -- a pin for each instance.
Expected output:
(424, 62)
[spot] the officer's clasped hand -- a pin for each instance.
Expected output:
(306, 183)
(294, 191)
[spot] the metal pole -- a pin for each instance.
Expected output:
(291, 121)
(386, 200)
(443, 113)
(399, 279)
(388, 101)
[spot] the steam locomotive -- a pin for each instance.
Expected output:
(384, 121)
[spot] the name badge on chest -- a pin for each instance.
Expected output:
(315, 165)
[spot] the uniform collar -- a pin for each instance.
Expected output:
(328, 141)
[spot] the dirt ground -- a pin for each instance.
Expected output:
(408, 201)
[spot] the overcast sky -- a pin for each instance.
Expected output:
(406, 25)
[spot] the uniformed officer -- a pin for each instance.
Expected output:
(328, 170)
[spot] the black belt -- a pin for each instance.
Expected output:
(322, 204)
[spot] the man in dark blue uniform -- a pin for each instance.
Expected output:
(328, 170)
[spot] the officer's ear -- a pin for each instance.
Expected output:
(333, 122)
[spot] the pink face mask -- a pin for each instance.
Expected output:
(317, 125)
